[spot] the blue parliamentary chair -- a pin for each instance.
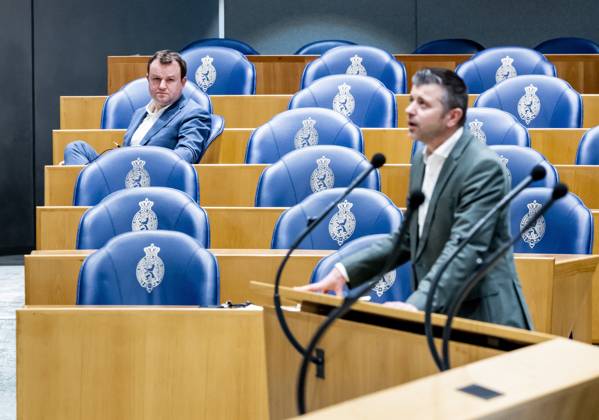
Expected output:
(520, 160)
(588, 148)
(144, 208)
(299, 128)
(363, 99)
(220, 70)
(396, 285)
(566, 228)
(158, 267)
(568, 45)
(536, 101)
(120, 106)
(363, 212)
(320, 47)
(235, 44)
(133, 167)
(493, 126)
(449, 46)
(306, 171)
(358, 60)
(495, 65)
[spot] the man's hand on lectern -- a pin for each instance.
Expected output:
(333, 281)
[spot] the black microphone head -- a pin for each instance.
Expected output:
(415, 199)
(538, 173)
(378, 160)
(559, 191)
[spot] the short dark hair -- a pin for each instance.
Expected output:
(167, 57)
(456, 92)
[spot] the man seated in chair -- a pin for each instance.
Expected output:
(169, 120)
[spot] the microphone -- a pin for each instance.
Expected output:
(378, 160)
(415, 199)
(559, 191)
(537, 173)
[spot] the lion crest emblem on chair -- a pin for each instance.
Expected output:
(356, 68)
(344, 102)
(322, 177)
(343, 223)
(150, 269)
(533, 235)
(145, 218)
(206, 73)
(137, 177)
(307, 135)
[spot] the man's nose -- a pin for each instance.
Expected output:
(410, 108)
(162, 84)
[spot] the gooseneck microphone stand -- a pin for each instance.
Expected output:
(559, 191)
(414, 201)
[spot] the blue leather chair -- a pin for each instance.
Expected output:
(568, 45)
(120, 106)
(363, 212)
(133, 167)
(306, 171)
(520, 161)
(365, 100)
(496, 127)
(144, 208)
(449, 46)
(536, 101)
(494, 65)
(235, 44)
(394, 286)
(320, 47)
(220, 70)
(358, 60)
(160, 267)
(567, 228)
(299, 128)
(588, 148)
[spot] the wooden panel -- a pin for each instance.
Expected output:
(81, 112)
(279, 74)
(582, 180)
(140, 363)
(229, 147)
(248, 111)
(125, 69)
(580, 70)
(558, 145)
(537, 382)
(557, 288)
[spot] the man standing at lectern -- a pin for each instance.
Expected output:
(462, 180)
(168, 120)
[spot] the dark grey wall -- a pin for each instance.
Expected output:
(16, 126)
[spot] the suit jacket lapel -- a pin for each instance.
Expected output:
(138, 118)
(451, 163)
(163, 120)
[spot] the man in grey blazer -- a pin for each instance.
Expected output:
(169, 120)
(462, 180)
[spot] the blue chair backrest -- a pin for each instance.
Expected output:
(120, 106)
(520, 160)
(320, 47)
(566, 228)
(363, 212)
(145, 208)
(133, 167)
(449, 46)
(235, 44)
(588, 148)
(568, 45)
(158, 267)
(493, 126)
(536, 101)
(220, 70)
(365, 100)
(299, 128)
(495, 65)
(306, 171)
(358, 60)
(396, 285)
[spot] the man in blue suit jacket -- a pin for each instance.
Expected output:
(169, 120)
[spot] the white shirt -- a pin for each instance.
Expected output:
(433, 164)
(152, 115)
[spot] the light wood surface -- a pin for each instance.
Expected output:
(250, 111)
(549, 380)
(140, 363)
(280, 74)
(557, 288)
(582, 180)
(558, 145)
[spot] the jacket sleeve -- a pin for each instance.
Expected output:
(484, 186)
(194, 132)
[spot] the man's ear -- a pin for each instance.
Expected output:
(454, 116)
(184, 80)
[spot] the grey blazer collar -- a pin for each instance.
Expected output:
(164, 119)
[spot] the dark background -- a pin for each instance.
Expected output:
(54, 48)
